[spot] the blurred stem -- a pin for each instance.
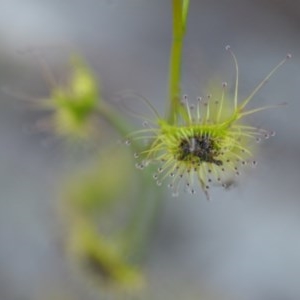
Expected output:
(117, 122)
(136, 234)
(146, 208)
(180, 14)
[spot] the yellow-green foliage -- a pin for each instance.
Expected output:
(102, 184)
(89, 201)
(102, 257)
(73, 104)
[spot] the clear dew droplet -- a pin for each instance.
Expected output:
(160, 170)
(145, 163)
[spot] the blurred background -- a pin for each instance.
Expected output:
(245, 243)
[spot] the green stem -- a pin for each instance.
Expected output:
(180, 13)
(185, 12)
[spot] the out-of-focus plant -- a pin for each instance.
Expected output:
(73, 105)
(94, 209)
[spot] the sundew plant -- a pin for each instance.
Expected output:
(204, 142)
(192, 145)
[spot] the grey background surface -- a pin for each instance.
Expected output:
(243, 245)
